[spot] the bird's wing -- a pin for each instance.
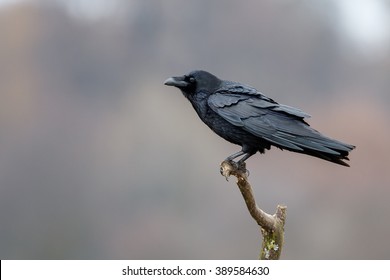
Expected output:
(233, 88)
(280, 124)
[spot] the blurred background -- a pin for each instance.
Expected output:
(100, 160)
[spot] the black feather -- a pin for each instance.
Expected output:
(244, 116)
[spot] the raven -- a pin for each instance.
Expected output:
(244, 116)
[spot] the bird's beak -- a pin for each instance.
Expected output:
(176, 82)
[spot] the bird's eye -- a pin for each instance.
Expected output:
(192, 80)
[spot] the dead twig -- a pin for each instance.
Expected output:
(272, 226)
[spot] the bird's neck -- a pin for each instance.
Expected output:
(199, 102)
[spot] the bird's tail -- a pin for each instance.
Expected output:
(332, 157)
(313, 143)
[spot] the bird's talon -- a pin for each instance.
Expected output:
(231, 167)
(241, 166)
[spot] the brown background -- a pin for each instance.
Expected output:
(99, 160)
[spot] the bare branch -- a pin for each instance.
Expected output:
(272, 226)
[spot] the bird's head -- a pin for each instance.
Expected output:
(194, 82)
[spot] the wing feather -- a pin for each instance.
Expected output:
(279, 124)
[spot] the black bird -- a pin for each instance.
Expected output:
(244, 116)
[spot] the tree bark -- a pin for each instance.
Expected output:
(272, 226)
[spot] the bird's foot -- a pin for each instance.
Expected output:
(242, 167)
(230, 167)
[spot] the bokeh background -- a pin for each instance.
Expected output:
(99, 160)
